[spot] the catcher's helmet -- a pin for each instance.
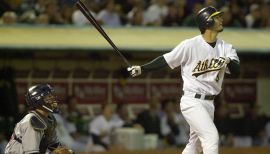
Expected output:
(205, 16)
(35, 98)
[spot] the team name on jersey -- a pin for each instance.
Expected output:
(204, 66)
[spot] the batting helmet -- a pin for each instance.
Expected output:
(35, 98)
(205, 16)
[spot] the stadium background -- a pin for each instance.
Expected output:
(78, 62)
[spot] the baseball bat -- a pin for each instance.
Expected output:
(93, 21)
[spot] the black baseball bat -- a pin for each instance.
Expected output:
(93, 21)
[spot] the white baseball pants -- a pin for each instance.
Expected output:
(199, 114)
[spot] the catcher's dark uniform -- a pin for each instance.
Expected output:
(33, 134)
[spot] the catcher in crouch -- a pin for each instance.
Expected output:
(35, 133)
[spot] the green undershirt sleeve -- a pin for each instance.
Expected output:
(155, 64)
(234, 68)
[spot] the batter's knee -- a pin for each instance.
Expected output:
(211, 141)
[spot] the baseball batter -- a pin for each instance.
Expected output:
(204, 59)
(35, 133)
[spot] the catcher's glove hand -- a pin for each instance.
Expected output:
(62, 150)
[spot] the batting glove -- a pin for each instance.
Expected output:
(134, 70)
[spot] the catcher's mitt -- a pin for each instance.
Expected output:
(62, 150)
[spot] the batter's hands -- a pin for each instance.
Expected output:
(134, 70)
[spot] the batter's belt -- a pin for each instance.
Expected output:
(203, 97)
(206, 97)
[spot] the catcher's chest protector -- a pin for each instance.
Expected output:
(47, 125)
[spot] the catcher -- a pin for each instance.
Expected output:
(35, 133)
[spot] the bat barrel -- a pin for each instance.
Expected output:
(93, 21)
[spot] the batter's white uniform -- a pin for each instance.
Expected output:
(202, 68)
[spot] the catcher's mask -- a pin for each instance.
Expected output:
(42, 96)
